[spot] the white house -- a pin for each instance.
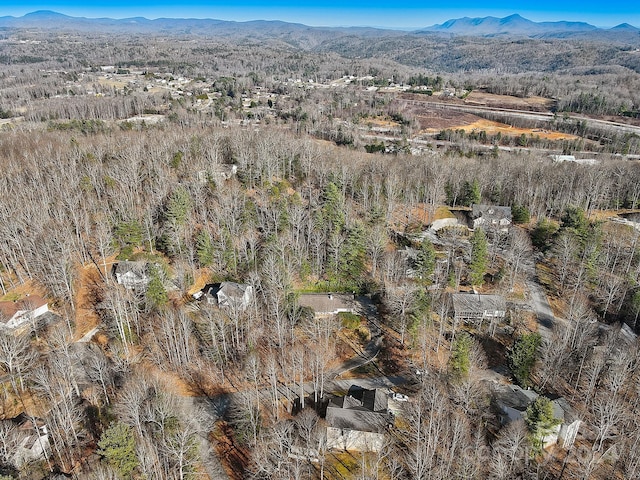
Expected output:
(33, 443)
(16, 313)
(237, 296)
(132, 275)
(573, 159)
(227, 295)
(513, 402)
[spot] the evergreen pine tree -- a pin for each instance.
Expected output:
(156, 293)
(523, 356)
(479, 257)
(118, 447)
(204, 248)
(425, 261)
(540, 421)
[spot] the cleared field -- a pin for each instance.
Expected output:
(538, 104)
(112, 82)
(495, 127)
(492, 128)
(432, 114)
(380, 122)
(432, 119)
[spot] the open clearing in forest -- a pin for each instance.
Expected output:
(537, 104)
(493, 128)
(455, 120)
(21, 290)
(419, 214)
(112, 82)
(433, 116)
(88, 278)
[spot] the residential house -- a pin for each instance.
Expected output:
(358, 420)
(326, 304)
(132, 275)
(217, 173)
(491, 217)
(13, 314)
(476, 308)
(229, 295)
(236, 296)
(573, 159)
(512, 401)
(32, 441)
(563, 158)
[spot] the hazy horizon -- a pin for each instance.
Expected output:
(371, 14)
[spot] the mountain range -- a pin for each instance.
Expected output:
(517, 25)
(513, 25)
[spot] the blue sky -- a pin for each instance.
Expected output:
(355, 12)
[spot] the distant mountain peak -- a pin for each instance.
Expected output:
(45, 14)
(515, 16)
(625, 26)
(513, 24)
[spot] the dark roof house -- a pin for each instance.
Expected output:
(357, 420)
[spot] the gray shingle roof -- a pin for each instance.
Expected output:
(466, 303)
(491, 212)
(362, 410)
(327, 303)
(131, 274)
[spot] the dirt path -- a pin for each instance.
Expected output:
(89, 279)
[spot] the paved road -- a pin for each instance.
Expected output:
(88, 336)
(372, 348)
(212, 409)
(541, 306)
